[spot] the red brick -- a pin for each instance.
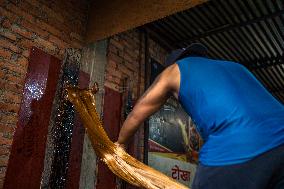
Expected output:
(2, 73)
(2, 83)
(8, 119)
(9, 107)
(12, 97)
(6, 23)
(151, 51)
(10, 15)
(77, 44)
(26, 43)
(44, 43)
(34, 28)
(61, 53)
(116, 44)
(129, 58)
(56, 18)
(58, 42)
(66, 26)
(54, 15)
(23, 62)
(34, 3)
(2, 1)
(14, 79)
(12, 67)
(125, 70)
(112, 64)
(114, 72)
(2, 181)
(9, 73)
(4, 151)
(112, 85)
(48, 28)
(18, 11)
(3, 159)
(76, 36)
(3, 169)
(26, 53)
(134, 54)
(77, 26)
(51, 13)
(131, 65)
(13, 87)
(113, 78)
(8, 34)
(5, 53)
(130, 44)
(113, 49)
(115, 58)
(7, 129)
(7, 44)
(26, 10)
(21, 31)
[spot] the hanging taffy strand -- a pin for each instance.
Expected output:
(118, 161)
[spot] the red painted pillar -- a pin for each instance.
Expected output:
(111, 119)
(26, 160)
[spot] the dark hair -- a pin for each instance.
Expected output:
(194, 49)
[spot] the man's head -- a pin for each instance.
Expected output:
(194, 49)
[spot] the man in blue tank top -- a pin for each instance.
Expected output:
(241, 123)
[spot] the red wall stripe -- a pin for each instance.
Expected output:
(111, 120)
(26, 160)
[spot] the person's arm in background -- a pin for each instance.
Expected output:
(166, 84)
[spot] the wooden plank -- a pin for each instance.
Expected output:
(110, 17)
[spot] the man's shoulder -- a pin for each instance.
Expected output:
(171, 76)
(172, 70)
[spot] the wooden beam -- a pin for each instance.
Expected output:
(109, 17)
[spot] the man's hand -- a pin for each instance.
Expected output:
(123, 146)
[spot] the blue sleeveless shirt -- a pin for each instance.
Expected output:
(235, 115)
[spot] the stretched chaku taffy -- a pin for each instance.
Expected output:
(119, 162)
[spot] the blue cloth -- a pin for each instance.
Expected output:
(236, 116)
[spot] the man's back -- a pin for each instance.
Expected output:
(236, 116)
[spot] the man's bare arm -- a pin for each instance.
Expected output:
(150, 102)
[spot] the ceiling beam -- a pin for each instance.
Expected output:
(229, 27)
(109, 17)
(265, 62)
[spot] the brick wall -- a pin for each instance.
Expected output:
(125, 52)
(49, 25)
(126, 61)
(157, 52)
